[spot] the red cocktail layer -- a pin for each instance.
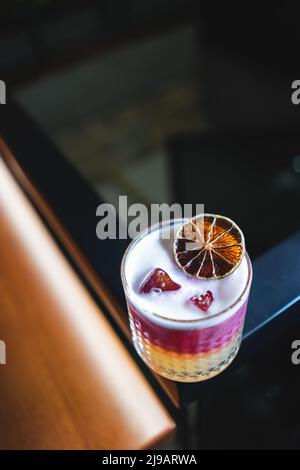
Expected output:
(190, 340)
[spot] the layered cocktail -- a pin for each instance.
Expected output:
(187, 284)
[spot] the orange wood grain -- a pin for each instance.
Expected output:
(121, 317)
(69, 382)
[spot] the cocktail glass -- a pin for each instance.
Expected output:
(185, 350)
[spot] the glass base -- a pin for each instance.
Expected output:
(187, 367)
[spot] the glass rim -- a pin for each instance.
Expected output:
(147, 312)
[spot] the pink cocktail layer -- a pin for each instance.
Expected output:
(189, 340)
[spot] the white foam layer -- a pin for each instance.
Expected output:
(156, 251)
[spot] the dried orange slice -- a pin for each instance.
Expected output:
(209, 246)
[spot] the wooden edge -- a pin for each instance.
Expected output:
(69, 382)
(117, 313)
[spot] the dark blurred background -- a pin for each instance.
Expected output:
(177, 101)
(195, 97)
